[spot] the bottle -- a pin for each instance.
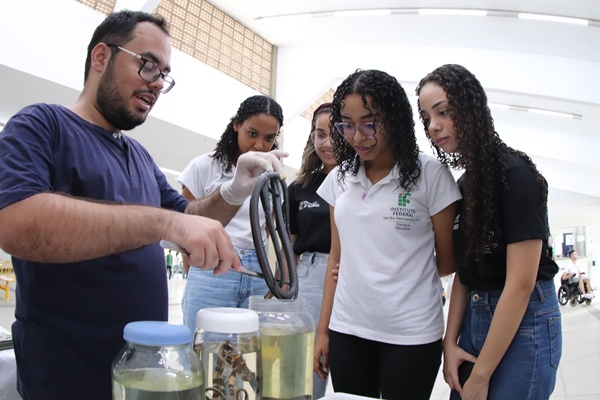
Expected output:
(287, 342)
(227, 342)
(157, 362)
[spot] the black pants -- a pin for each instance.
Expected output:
(373, 369)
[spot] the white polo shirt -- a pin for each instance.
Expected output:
(388, 287)
(202, 176)
(573, 268)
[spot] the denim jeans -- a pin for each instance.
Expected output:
(232, 289)
(312, 269)
(528, 368)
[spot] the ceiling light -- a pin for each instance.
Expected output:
(434, 11)
(554, 18)
(299, 16)
(362, 13)
(452, 11)
(499, 106)
(532, 110)
(553, 113)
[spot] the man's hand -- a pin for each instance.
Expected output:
(206, 242)
(250, 166)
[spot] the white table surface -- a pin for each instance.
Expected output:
(8, 374)
(345, 396)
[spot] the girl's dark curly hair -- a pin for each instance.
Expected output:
(389, 101)
(481, 153)
(227, 150)
(311, 163)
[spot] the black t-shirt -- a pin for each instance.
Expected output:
(309, 217)
(523, 215)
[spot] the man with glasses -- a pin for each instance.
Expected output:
(83, 207)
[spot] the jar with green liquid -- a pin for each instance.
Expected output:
(287, 345)
(157, 363)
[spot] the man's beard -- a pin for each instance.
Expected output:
(112, 107)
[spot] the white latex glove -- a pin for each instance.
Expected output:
(250, 166)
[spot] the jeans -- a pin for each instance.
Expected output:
(232, 289)
(528, 368)
(312, 269)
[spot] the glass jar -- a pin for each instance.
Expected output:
(227, 342)
(157, 362)
(287, 342)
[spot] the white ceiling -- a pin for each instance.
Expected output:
(553, 66)
(265, 17)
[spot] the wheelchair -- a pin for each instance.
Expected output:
(569, 292)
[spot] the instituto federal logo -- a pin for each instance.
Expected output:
(403, 199)
(403, 216)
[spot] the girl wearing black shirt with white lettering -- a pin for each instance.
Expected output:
(309, 219)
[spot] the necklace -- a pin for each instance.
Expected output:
(366, 192)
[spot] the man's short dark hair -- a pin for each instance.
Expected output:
(117, 29)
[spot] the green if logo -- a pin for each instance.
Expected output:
(403, 199)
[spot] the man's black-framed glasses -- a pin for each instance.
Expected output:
(348, 131)
(149, 70)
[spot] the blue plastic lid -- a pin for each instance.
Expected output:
(157, 333)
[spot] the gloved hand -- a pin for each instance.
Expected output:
(250, 166)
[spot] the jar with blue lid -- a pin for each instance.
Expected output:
(157, 362)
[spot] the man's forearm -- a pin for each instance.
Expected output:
(213, 206)
(54, 228)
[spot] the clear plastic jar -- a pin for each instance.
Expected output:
(227, 342)
(157, 362)
(287, 341)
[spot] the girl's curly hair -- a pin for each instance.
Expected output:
(227, 149)
(311, 163)
(389, 100)
(482, 154)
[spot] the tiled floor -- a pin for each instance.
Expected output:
(578, 373)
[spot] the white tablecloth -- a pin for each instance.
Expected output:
(8, 374)
(345, 396)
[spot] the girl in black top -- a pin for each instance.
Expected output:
(309, 219)
(504, 314)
